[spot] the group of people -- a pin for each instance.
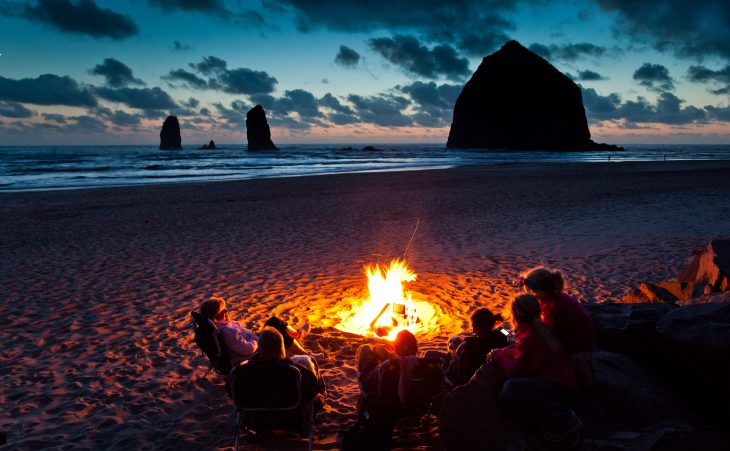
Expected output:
(542, 365)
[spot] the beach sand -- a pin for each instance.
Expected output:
(97, 284)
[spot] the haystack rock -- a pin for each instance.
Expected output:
(209, 146)
(517, 100)
(170, 134)
(258, 132)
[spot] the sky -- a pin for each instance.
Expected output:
(348, 71)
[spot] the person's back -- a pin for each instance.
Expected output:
(569, 321)
(472, 353)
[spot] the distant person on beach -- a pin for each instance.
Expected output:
(541, 388)
(242, 343)
(565, 317)
(472, 353)
(271, 350)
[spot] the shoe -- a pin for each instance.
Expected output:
(303, 332)
(569, 434)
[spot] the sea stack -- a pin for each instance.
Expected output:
(170, 134)
(517, 100)
(258, 132)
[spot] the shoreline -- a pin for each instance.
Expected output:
(99, 283)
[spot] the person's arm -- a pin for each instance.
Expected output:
(239, 340)
(296, 349)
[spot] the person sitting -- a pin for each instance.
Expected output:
(541, 387)
(472, 353)
(565, 317)
(240, 342)
(271, 350)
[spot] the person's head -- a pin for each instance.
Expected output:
(271, 344)
(525, 310)
(214, 309)
(405, 343)
(483, 321)
(543, 282)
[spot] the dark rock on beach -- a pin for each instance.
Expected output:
(258, 132)
(170, 134)
(371, 149)
(518, 100)
(209, 146)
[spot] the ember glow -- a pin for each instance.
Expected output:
(390, 306)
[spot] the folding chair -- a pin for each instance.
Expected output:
(209, 340)
(267, 396)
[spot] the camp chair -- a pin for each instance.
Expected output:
(268, 396)
(395, 399)
(209, 340)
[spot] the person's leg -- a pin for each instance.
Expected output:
(281, 326)
(307, 362)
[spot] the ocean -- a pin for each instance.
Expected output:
(49, 167)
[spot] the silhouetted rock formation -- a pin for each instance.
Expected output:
(209, 146)
(258, 132)
(371, 149)
(517, 100)
(170, 134)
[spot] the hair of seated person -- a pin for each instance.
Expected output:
(271, 344)
(210, 308)
(405, 343)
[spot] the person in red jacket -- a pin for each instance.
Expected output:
(540, 387)
(565, 317)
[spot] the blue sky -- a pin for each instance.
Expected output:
(340, 71)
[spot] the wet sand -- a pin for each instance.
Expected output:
(97, 284)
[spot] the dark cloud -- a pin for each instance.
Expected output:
(453, 22)
(215, 7)
(188, 78)
(589, 75)
(694, 28)
(60, 118)
(341, 114)
(210, 65)
(347, 57)
(654, 77)
(702, 74)
(141, 98)
(180, 47)
(384, 110)
(234, 120)
(667, 110)
(301, 102)
(409, 54)
(81, 17)
(84, 124)
(719, 113)
(117, 74)
(14, 110)
(433, 103)
(119, 118)
(567, 52)
(47, 89)
(192, 102)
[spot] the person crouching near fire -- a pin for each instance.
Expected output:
(565, 317)
(241, 343)
(541, 388)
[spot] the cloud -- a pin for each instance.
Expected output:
(80, 17)
(188, 78)
(433, 104)
(141, 98)
(719, 113)
(667, 110)
(178, 46)
(654, 77)
(694, 28)
(214, 7)
(210, 65)
(347, 57)
(60, 118)
(15, 110)
(454, 22)
(383, 109)
(47, 89)
(702, 74)
(340, 113)
(119, 118)
(117, 74)
(567, 52)
(192, 102)
(409, 54)
(589, 75)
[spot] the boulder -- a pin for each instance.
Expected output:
(517, 100)
(209, 146)
(258, 132)
(709, 268)
(170, 134)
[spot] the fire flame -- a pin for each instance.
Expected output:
(390, 307)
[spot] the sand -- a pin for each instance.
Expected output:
(97, 284)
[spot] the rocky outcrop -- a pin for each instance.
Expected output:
(209, 146)
(517, 100)
(707, 272)
(258, 132)
(170, 134)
